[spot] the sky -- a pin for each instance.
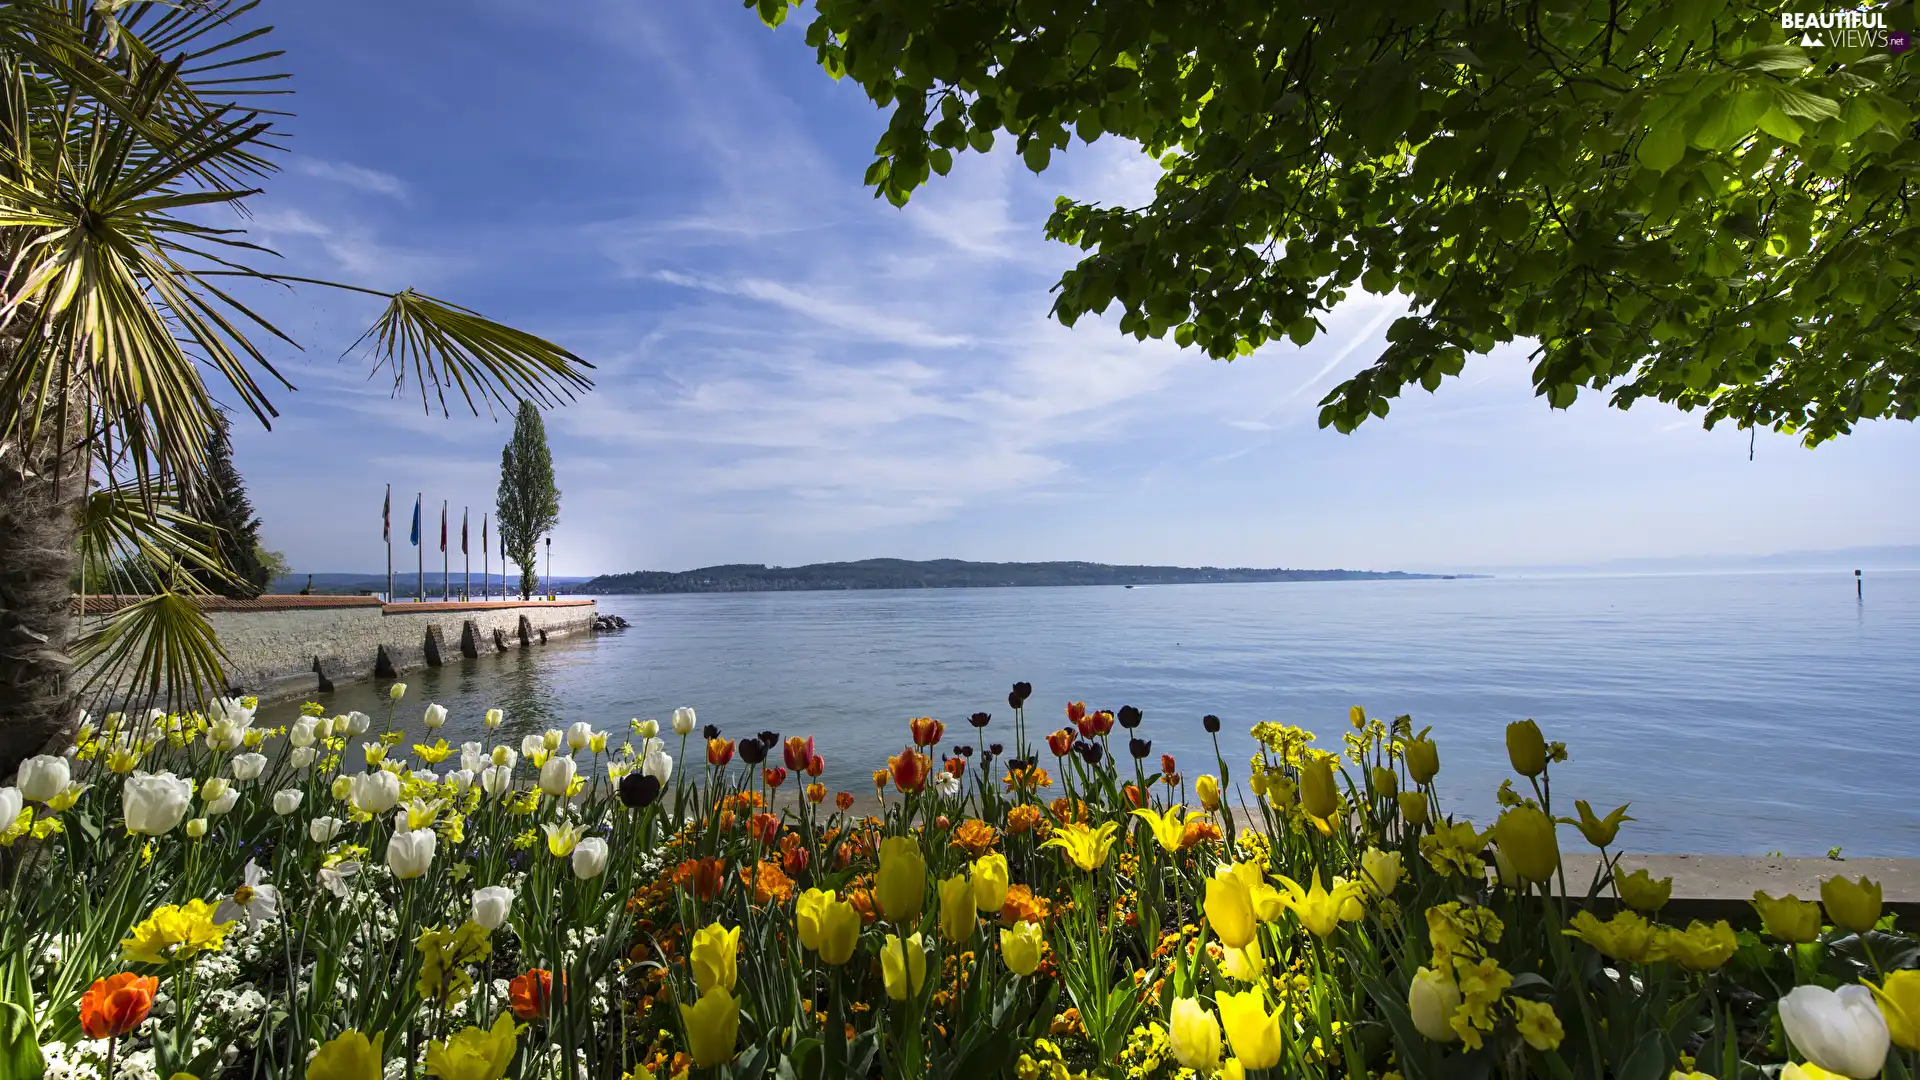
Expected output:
(788, 370)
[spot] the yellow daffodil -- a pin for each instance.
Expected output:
(175, 932)
(444, 956)
(433, 755)
(1166, 825)
(473, 1054)
(1641, 891)
(1526, 748)
(1537, 1023)
(1455, 849)
(422, 813)
(901, 885)
(1423, 758)
(348, 1056)
(990, 883)
(1700, 947)
(1084, 846)
(957, 913)
(1528, 839)
(1321, 911)
(1853, 906)
(1253, 1031)
(903, 966)
(1899, 999)
(715, 956)
(1021, 947)
(1789, 918)
(713, 1025)
(1599, 831)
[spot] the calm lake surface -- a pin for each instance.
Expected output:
(1738, 713)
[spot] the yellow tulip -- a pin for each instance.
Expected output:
(903, 966)
(1246, 965)
(1167, 826)
(1208, 790)
(1789, 918)
(1253, 1031)
(1899, 999)
(1850, 905)
(957, 914)
(809, 912)
(1317, 794)
(1229, 909)
(1527, 837)
(1700, 947)
(348, 1056)
(1086, 847)
(1642, 891)
(1233, 1070)
(1021, 947)
(1808, 1071)
(1413, 808)
(1194, 1034)
(1381, 870)
(715, 955)
(712, 1023)
(990, 881)
(1386, 782)
(1627, 936)
(1526, 748)
(901, 885)
(827, 925)
(1432, 1000)
(473, 1054)
(1423, 758)
(1599, 831)
(1319, 910)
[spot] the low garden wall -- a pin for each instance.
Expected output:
(284, 646)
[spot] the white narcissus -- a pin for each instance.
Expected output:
(256, 901)
(1840, 1030)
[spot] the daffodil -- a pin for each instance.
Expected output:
(1537, 1023)
(175, 932)
(1085, 846)
(1599, 831)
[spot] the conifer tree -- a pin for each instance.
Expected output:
(234, 529)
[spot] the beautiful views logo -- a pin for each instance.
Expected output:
(1846, 29)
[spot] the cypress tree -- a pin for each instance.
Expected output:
(528, 503)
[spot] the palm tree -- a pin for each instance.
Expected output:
(126, 127)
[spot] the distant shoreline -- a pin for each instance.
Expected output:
(878, 574)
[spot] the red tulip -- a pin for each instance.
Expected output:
(927, 731)
(774, 776)
(719, 751)
(909, 771)
(1060, 742)
(799, 752)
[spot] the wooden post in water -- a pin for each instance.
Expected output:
(1859, 593)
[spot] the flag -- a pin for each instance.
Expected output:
(463, 530)
(443, 524)
(386, 516)
(415, 538)
(483, 534)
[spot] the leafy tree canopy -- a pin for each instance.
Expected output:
(527, 505)
(1671, 198)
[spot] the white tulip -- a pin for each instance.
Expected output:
(683, 721)
(1840, 1030)
(287, 801)
(216, 807)
(303, 732)
(646, 729)
(396, 691)
(354, 723)
(651, 745)
(197, 828)
(472, 756)
(323, 727)
(248, 766)
(556, 776)
(11, 804)
(376, 792)
(505, 755)
(42, 777)
(425, 776)
(590, 858)
(461, 779)
(493, 718)
(410, 853)
(491, 906)
(496, 780)
(322, 830)
(1432, 999)
(657, 765)
(436, 715)
(532, 744)
(302, 757)
(215, 789)
(553, 737)
(153, 803)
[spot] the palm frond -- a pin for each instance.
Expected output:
(139, 537)
(159, 651)
(441, 344)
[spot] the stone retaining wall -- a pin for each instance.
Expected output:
(285, 646)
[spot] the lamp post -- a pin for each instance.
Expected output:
(549, 567)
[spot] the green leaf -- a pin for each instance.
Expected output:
(1796, 102)
(1663, 146)
(1775, 59)
(1781, 126)
(1036, 155)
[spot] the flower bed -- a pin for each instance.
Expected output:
(197, 895)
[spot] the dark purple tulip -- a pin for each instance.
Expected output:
(979, 719)
(639, 789)
(752, 751)
(1089, 751)
(1128, 716)
(1139, 748)
(711, 731)
(1211, 723)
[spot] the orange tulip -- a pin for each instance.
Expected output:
(115, 1005)
(816, 765)
(799, 752)
(1166, 764)
(765, 828)
(927, 731)
(719, 751)
(794, 855)
(702, 877)
(816, 792)
(954, 766)
(880, 779)
(774, 777)
(909, 771)
(1095, 724)
(528, 993)
(844, 800)
(1061, 742)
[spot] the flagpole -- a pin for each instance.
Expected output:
(466, 556)
(386, 533)
(486, 561)
(419, 552)
(446, 586)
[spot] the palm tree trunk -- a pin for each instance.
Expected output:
(41, 490)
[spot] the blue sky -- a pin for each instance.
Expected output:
(790, 371)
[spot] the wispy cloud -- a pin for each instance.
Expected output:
(353, 176)
(864, 320)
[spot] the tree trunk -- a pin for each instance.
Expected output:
(528, 580)
(40, 500)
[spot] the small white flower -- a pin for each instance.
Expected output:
(334, 878)
(258, 902)
(946, 783)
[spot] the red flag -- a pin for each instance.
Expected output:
(463, 530)
(443, 524)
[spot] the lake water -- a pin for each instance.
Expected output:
(1738, 713)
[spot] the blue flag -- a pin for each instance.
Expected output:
(415, 538)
